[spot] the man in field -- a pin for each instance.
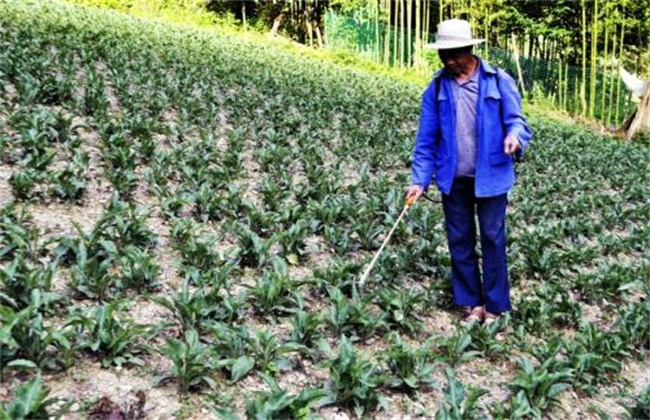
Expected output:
(471, 129)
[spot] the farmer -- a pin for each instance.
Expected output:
(471, 129)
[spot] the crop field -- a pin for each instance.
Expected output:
(184, 217)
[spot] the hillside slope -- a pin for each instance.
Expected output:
(229, 194)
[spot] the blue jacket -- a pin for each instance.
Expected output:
(498, 112)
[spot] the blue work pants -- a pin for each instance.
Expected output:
(460, 207)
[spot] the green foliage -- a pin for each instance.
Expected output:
(31, 400)
(16, 235)
(235, 345)
(26, 341)
(253, 249)
(632, 327)
(195, 310)
(459, 402)
(196, 252)
(354, 379)
(486, 341)
(456, 348)
(21, 277)
(641, 407)
(270, 354)
(71, 183)
(139, 269)
(595, 355)
(272, 292)
(306, 327)
(536, 388)
(22, 183)
(102, 331)
(401, 306)
(353, 316)
(410, 368)
(278, 403)
(115, 255)
(192, 362)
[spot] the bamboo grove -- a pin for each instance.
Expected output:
(567, 53)
(189, 212)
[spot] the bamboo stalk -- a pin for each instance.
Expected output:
(594, 61)
(387, 34)
(427, 21)
(583, 92)
(401, 32)
(418, 36)
(396, 34)
(409, 39)
(519, 73)
(575, 89)
(604, 86)
(620, 59)
(376, 51)
(559, 84)
(486, 25)
(613, 82)
(243, 14)
(563, 87)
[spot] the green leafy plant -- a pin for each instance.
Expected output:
(486, 340)
(354, 379)
(632, 326)
(21, 276)
(272, 293)
(401, 307)
(207, 204)
(196, 309)
(459, 402)
(121, 160)
(270, 354)
(23, 183)
(26, 341)
(94, 275)
(536, 389)
(139, 269)
(253, 250)
(595, 356)
(70, 184)
(410, 368)
(235, 345)
(16, 234)
(293, 241)
(111, 337)
(196, 251)
(193, 364)
(456, 348)
(32, 401)
(340, 274)
(306, 327)
(641, 407)
(353, 316)
(278, 403)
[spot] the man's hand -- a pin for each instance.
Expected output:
(413, 194)
(511, 144)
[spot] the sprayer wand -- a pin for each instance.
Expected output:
(409, 202)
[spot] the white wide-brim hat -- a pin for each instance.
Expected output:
(454, 33)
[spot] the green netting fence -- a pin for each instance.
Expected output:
(542, 81)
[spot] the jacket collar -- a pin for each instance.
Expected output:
(487, 68)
